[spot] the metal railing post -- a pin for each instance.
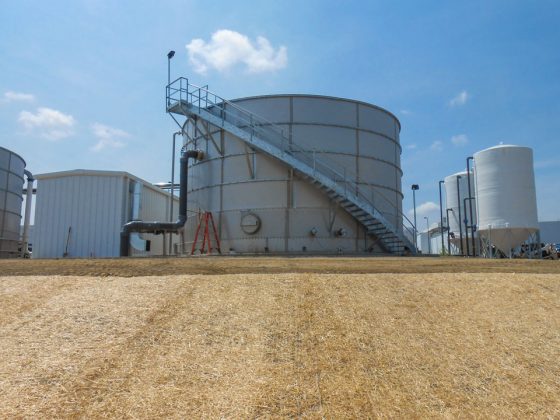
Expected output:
(314, 169)
(252, 127)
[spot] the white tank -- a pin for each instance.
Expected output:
(452, 201)
(505, 190)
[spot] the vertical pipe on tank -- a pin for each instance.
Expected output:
(473, 226)
(171, 197)
(28, 200)
(466, 223)
(459, 206)
(448, 231)
(490, 242)
(441, 216)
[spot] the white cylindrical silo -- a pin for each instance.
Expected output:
(457, 200)
(505, 190)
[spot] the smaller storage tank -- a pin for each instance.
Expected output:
(12, 168)
(505, 189)
(456, 202)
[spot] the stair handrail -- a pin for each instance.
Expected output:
(202, 98)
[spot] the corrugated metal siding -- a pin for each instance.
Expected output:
(90, 204)
(550, 232)
(155, 207)
(95, 205)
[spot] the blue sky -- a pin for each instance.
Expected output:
(82, 82)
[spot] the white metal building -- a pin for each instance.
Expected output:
(80, 213)
(550, 232)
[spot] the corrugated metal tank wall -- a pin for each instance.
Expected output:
(355, 135)
(12, 168)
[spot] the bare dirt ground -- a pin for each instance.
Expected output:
(130, 267)
(280, 337)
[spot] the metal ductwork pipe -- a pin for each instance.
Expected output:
(161, 227)
(28, 200)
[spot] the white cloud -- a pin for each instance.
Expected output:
(107, 137)
(10, 96)
(48, 123)
(229, 48)
(460, 140)
(437, 146)
(406, 112)
(460, 99)
(429, 209)
(411, 146)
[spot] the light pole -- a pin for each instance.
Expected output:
(415, 187)
(460, 221)
(170, 55)
(428, 233)
(441, 216)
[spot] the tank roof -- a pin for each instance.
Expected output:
(304, 95)
(463, 173)
(14, 153)
(502, 146)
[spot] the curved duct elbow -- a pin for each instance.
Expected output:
(139, 243)
(162, 227)
(136, 241)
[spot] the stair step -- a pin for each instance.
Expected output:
(378, 233)
(379, 229)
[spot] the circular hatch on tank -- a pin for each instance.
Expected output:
(250, 223)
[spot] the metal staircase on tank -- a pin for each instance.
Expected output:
(334, 180)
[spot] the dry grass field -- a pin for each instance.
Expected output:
(280, 337)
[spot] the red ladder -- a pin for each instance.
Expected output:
(205, 220)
